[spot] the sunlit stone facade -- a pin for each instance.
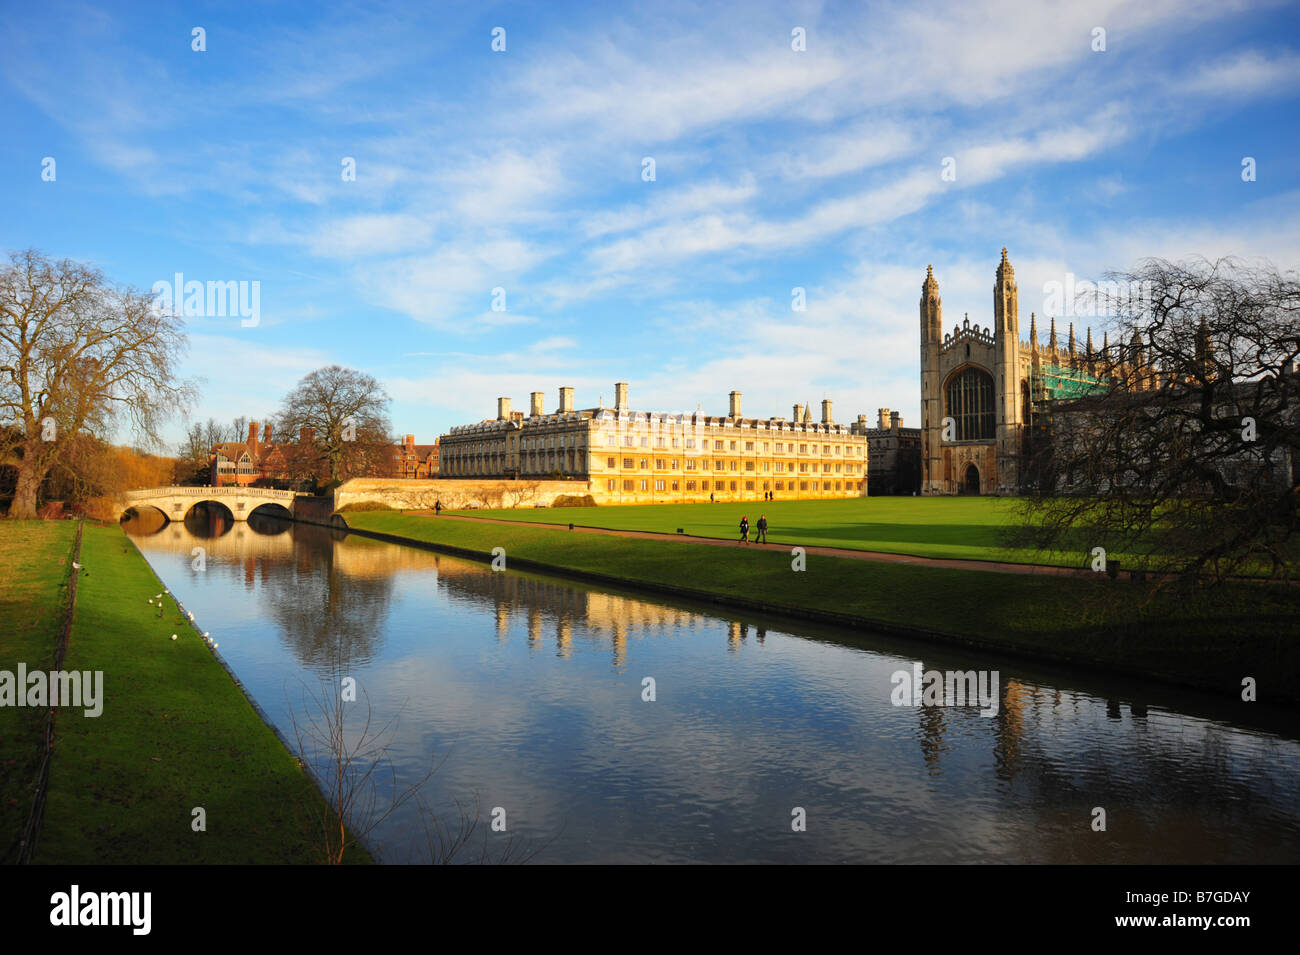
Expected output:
(626, 456)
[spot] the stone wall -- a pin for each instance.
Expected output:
(313, 510)
(455, 493)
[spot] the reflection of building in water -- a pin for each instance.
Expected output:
(1008, 727)
(350, 562)
(1010, 730)
(596, 614)
(932, 722)
(563, 636)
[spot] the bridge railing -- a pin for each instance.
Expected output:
(207, 492)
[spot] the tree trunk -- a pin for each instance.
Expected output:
(23, 507)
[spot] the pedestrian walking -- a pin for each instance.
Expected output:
(437, 507)
(761, 536)
(744, 530)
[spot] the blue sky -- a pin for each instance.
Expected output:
(522, 170)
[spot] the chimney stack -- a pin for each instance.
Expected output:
(826, 411)
(266, 434)
(798, 414)
(620, 396)
(884, 419)
(734, 411)
(503, 409)
(895, 421)
(566, 400)
(410, 440)
(537, 404)
(306, 435)
(252, 436)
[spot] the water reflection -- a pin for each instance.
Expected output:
(530, 688)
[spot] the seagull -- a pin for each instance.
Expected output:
(173, 636)
(151, 603)
(76, 566)
(205, 633)
(215, 645)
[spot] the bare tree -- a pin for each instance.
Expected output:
(1183, 456)
(78, 355)
(347, 412)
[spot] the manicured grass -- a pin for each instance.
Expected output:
(35, 557)
(1210, 638)
(958, 527)
(175, 733)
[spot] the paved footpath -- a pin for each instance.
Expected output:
(992, 566)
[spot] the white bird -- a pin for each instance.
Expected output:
(206, 633)
(173, 636)
(151, 603)
(157, 596)
(76, 566)
(215, 645)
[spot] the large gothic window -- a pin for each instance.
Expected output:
(970, 403)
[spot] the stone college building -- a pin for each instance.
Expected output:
(645, 457)
(980, 388)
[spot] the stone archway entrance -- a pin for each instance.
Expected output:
(970, 483)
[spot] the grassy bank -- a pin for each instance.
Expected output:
(967, 528)
(35, 557)
(175, 733)
(1210, 638)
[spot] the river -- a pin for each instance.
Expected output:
(767, 740)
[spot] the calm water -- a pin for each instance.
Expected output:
(528, 691)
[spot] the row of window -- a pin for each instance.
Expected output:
(782, 447)
(643, 484)
(671, 464)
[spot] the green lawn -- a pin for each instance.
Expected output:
(175, 733)
(959, 527)
(35, 557)
(1211, 638)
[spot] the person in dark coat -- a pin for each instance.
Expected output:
(437, 507)
(761, 536)
(744, 530)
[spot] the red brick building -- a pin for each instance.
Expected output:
(411, 460)
(242, 463)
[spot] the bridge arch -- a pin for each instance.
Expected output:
(220, 508)
(144, 511)
(272, 509)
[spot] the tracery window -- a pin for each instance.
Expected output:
(970, 404)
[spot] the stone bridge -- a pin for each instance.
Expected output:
(176, 502)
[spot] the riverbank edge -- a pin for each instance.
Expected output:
(360, 853)
(854, 621)
(262, 715)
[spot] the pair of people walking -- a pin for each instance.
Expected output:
(761, 527)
